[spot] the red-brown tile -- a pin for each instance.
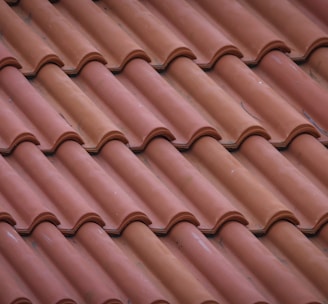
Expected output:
(298, 31)
(234, 21)
(166, 104)
(302, 257)
(159, 42)
(114, 44)
(25, 278)
(286, 182)
(166, 270)
(220, 110)
(297, 88)
(43, 19)
(239, 185)
(144, 189)
(206, 41)
(44, 188)
(223, 184)
(6, 58)
(317, 66)
(266, 269)
(209, 266)
(281, 121)
(19, 39)
(13, 191)
(26, 116)
(94, 127)
(135, 118)
(315, 10)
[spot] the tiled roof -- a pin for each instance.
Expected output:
(163, 151)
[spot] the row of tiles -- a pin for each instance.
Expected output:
(35, 32)
(206, 185)
(139, 267)
(276, 99)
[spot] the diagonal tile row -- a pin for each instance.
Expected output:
(110, 31)
(140, 267)
(205, 185)
(139, 104)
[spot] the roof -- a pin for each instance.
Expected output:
(163, 151)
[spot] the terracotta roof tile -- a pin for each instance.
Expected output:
(26, 115)
(79, 268)
(310, 102)
(6, 58)
(163, 151)
(18, 39)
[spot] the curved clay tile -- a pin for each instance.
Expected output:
(155, 256)
(311, 158)
(297, 88)
(260, 101)
(286, 182)
(165, 103)
(115, 100)
(107, 36)
(269, 273)
(158, 41)
(206, 262)
(209, 206)
(15, 190)
(25, 109)
(297, 31)
(237, 184)
(44, 181)
(231, 121)
(6, 58)
(30, 278)
(105, 195)
(316, 10)
(206, 42)
(301, 255)
(118, 266)
(55, 30)
(162, 207)
(241, 27)
(317, 66)
(94, 127)
(29, 49)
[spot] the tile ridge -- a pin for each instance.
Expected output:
(181, 51)
(22, 137)
(40, 218)
(155, 133)
(6, 58)
(226, 50)
(91, 56)
(250, 131)
(272, 45)
(201, 132)
(298, 130)
(178, 218)
(6, 217)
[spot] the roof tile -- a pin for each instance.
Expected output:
(18, 39)
(27, 116)
(158, 41)
(286, 182)
(163, 151)
(310, 102)
(239, 185)
(94, 127)
(42, 19)
(301, 35)
(6, 58)
(117, 50)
